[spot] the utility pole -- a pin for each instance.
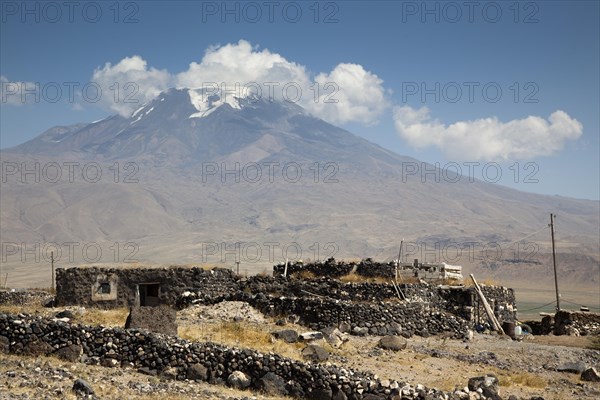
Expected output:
(554, 262)
(52, 262)
(399, 257)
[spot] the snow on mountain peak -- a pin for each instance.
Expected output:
(206, 103)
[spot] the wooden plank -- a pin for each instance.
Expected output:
(488, 309)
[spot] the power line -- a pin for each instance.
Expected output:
(528, 236)
(536, 308)
(581, 305)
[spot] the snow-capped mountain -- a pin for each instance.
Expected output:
(345, 196)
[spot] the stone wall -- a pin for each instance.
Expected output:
(357, 318)
(576, 323)
(161, 319)
(318, 303)
(116, 287)
(21, 297)
(180, 359)
(336, 269)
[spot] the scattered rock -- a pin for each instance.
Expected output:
(395, 343)
(82, 387)
(287, 335)
(70, 353)
(315, 353)
(576, 367)
(306, 336)
(590, 375)
(272, 384)
(335, 337)
(197, 372)
(37, 348)
(170, 373)
(321, 394)
(488, 384)
(359, 331)
(65, 314)
(239, 380)
(147, 371)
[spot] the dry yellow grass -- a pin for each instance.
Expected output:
(113, 318)
(522, 379)
(87, 316)
(241, 334)
(305, 275)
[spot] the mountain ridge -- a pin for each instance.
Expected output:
(350, 192)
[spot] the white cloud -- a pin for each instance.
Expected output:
(359, 93)
(487, 138)
(129, 84)
(241, 63)
(349, 93)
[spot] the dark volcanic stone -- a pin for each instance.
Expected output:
(321, 394)
(69, 353)
(315, 353)
(590, 375)
(272, 384)
(573, 367)
(488, 384)
(395, 343)
(82, 387)
(197, 372)
(64, 314)
(37, 348)
(287, 335)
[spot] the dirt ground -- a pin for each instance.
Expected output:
(525, 368)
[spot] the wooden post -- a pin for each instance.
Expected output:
(488, 309)
(52, 263)
(285, 269)
(554, 263)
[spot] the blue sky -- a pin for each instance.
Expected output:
(532, 69)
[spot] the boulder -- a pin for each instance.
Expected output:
(239, 380)
(37, 348)
(315, 353)
(395, 343)
(335, 337)
(576, 367)
(70, 353)
(272, 384)
(321, 394)
(146, 371)
(64, 314)
(287, 335)
(590, 375)
(170, 373)
(83, 388)
(306, 336)
(197, 372)
(488, 385)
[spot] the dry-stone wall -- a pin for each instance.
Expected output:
(77, 286)
(379, 318)
(336, 269)
(576, 323)
(21, 297)
(155, 354)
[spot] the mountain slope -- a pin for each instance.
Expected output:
(188, 176)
